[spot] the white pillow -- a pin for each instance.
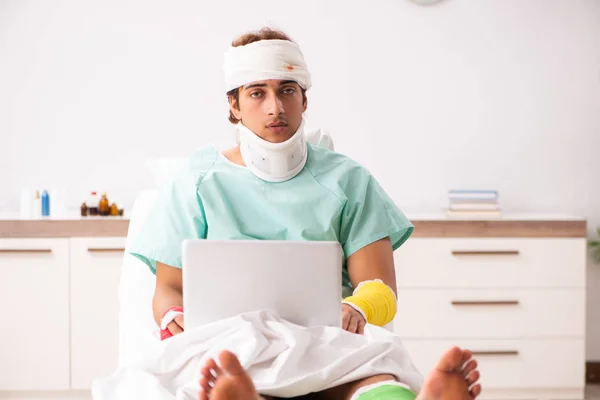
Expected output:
(163, 170)
(320, 138)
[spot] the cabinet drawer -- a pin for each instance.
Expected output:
(490, 314)
(95, 271)
(508, 263)
(520, 364)
(34, 294)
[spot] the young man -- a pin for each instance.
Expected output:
(274, 185)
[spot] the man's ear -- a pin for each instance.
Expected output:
(305, 103)
(234, 107)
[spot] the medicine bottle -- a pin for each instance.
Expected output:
(103, 206)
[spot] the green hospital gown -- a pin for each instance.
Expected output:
(332, 198)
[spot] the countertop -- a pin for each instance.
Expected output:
(12, 226)
(528, 225)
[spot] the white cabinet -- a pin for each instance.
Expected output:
(34, 296)
(95, 268)
(509, 364)
(59, 300)
(498, 313)
(519, 303)
(492, 263)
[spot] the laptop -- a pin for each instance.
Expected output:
(301, 281)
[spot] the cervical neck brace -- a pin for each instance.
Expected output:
(273, 162)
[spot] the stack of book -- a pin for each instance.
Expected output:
(473, 203)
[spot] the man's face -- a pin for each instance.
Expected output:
(272, 109)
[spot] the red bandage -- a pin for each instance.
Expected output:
(167, 317)
(165, 334)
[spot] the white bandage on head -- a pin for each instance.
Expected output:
(265, 59)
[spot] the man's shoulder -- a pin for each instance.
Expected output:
(323, 161)
(339, 173)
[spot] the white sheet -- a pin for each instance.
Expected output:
(283, 359)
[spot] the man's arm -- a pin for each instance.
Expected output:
(168, 293)
(374, 261)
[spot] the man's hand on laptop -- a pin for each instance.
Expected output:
(352, 320)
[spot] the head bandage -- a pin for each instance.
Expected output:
(265, 59)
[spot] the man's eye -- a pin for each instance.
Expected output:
(289, 90)
(255, 94)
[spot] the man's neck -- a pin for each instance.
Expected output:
(235, 156)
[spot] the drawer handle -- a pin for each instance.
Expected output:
(486, 303)
(496, 353)
(21, 251)
(457, 253)
(106, 250)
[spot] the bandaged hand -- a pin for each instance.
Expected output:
(176, 326)
(352, 320)
(171, 323)
(375, 301)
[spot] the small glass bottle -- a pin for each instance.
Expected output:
(84, 210)
(114, 210)
(103, 206)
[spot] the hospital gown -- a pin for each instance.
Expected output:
(332, 199)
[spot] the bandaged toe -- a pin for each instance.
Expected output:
(376, 301)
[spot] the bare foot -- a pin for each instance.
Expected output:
(229, 382)
(450, 381)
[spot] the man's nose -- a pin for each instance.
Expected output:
(274, 106)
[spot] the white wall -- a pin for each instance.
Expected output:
(502, 94)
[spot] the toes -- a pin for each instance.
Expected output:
(211, 371)
(203, 395)
(451, 361)
(476, 390)
(467, 355)
(205, 385)
(471, 366)
(211, 365)
(473, 377)
(230, 364)
(207, 374)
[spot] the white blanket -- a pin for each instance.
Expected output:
(283, 359)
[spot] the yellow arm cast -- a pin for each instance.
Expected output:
(376, 300)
